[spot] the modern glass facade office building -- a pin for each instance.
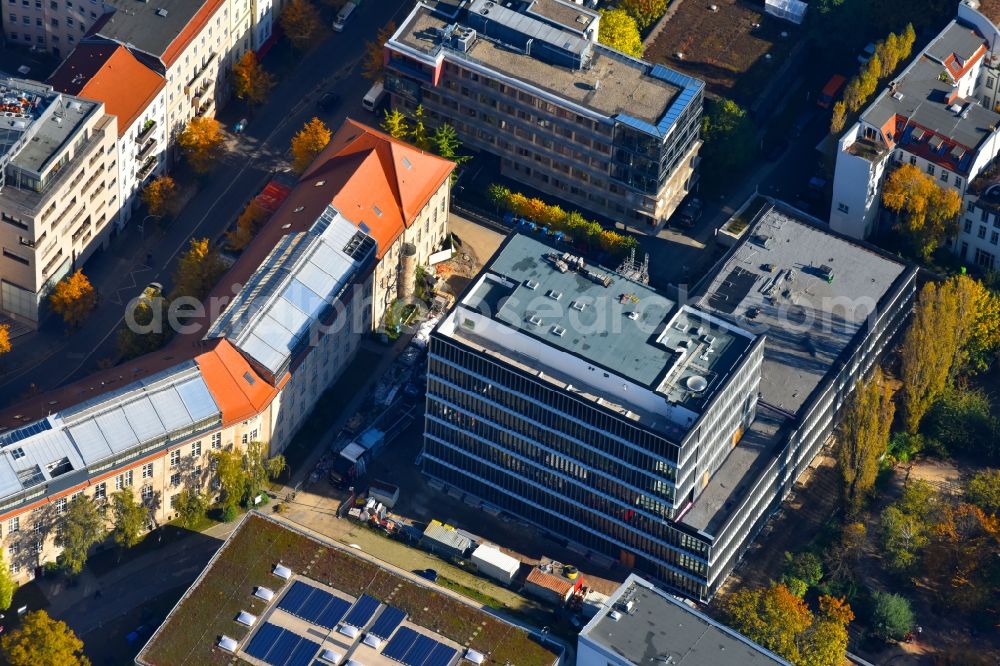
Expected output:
(658, 434)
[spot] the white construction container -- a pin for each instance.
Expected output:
(495, 564)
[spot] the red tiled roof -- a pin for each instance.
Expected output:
(237, 389)
(109, 73)
(379, 181)
(557, 584)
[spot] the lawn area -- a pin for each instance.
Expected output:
(723, 48)
(190, 633)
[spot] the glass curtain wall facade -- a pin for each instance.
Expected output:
(566, 465)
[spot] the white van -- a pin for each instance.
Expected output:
(345, 13)
(373, 98)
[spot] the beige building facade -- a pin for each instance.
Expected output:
(58, 191)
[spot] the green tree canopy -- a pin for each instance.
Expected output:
(7, 585)
(128, 517)
(395, 124)
(983, 490)
(892, 616)
(730, 137)
(906, 525)
(191, 506)
(82, 527)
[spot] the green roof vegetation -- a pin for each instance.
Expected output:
(190, 634)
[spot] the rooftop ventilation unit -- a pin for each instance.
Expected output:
(161, 12)
(633, 315)
(531, 284)
(555, 295)
(709, 339)
(681, 326)
(558, 331)
(463, 39)
(535, 320)
(577, 305)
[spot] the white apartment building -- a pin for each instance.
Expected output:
(136, 95)
(938, 115)
(58, 190)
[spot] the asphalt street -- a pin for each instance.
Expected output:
(51, 358)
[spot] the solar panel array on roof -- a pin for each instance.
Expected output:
(363, 611)
(413, 649)
(387, 622)
(280, 647)
(15, 436)
(313, 605)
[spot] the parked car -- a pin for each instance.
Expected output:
(866, 53)
(328, 101)
(429, 574)
(688, 213)
(830, 91)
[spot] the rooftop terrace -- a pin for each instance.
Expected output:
(612, 83)
(598, 329)
(644, 625)
(36, 122)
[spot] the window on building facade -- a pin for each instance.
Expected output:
(984, 259)
(14, 525)
(123, 480)
(61, 505)
(944, 176)
(147, 492)
(100, 491)
(930, 169)
(217, 440)
(843, 208)
(967, 227)
(994, 237)
(175, 479)
(196, 449)
(147, 471)
(913, 160)
(175, 457)
(982, 232)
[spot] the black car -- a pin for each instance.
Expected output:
(429, 574)
(328, 101)
(688, 214)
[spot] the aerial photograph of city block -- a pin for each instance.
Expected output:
(500, 333)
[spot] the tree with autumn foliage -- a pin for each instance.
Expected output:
(373, 64)
(5, 345)
(159, 195)
(73, 298)
(300, 22)
(247, 225)
(782, 622)
(250, 81)
(42, 641)
(863, 437)
(962, 560)
(838, 117)
(309, 142)
(927, 213)
(621, 32)
(395, 124)
(954, 328)
(197, 270)
(645, 12)
(201, 142)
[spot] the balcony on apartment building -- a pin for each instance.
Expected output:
(146, 167)
(145, 132)
(197, 79)
(147, 150)
(868, 149)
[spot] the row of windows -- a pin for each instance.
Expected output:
(605, 535)
(474, 431)
(547, 406)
